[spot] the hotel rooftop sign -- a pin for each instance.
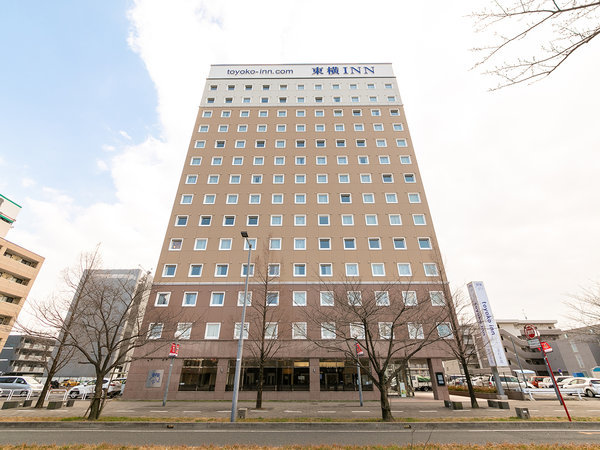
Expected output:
(301, 71)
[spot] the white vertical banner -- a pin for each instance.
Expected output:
(487, 325)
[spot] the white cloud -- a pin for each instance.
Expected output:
(101, 165)
(27, 182)
(510, 176)
(108, 148)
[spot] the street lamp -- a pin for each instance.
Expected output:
(240, 349)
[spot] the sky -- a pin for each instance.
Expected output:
(98, 102)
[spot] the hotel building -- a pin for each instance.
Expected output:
(316, 164)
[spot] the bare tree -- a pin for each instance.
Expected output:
(264, 316)
(557, 29)
(585, 309)
(387, 321)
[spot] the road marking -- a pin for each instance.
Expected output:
(125, 410)
(327, 412)
(160, 410)
(589, 432)
(290, 411)
(192, 411)
(397, 411)
(594, 410)
(427, 411)
(361, 411)
(224, 410)
(62, 430)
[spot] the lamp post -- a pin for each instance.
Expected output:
(240, 349)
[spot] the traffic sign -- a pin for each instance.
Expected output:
(546, 347)
(359, 351)
(174, 350)
(534, 343)
(530, 331)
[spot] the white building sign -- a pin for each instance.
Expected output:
(316, 71)
(487, 325)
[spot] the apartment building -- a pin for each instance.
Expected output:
(18, 269)
(315, 163)
(25, 355)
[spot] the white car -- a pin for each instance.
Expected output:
(20, 385)
(547, 383)
(87, 389)
(508, 382)
(589, 386)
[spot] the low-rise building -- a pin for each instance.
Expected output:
(25, 355)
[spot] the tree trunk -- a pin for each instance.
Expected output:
(51, 372)
(95, 409)
(386, 410)
(261, 380)
(469, 384)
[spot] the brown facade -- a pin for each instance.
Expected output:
(322, 175)
(18, 269)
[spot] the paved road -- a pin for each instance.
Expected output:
(294, 437)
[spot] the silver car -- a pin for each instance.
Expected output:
(19, 384)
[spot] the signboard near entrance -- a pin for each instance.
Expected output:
(546, 347)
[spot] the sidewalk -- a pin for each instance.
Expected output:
(422, 406)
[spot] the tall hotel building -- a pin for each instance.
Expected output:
(315, 163)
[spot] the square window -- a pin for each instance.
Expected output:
(321, 178)
(300, 143)
(388, 85)
(444, 330)
(276, 220)
(387, 178)
(375, 112)
(321, 160)
(254, 199)
(437, 298)
(404, 270)
(278, 179)
(320, 143)
(225, 244)
(409, 178)
(205, 221)
(258, 160)
(250, 242)
(363, 159)
(335, 86)
(431, 269)
(256, 179)
(419, 219)
(252, 221)
(245, 270)
(343, 178)
(162, 299)
(216, 161)
(415, 331)
(300, 99)
(391, 198)
(300, 113)
(323, 198)
(260, 144)
(300, 220)
(241, 296)
(409, 298)
(200, 244)
(398, 127)
(391, 98)
(349, 244)
(300, 160)
(228, 99)
(381, 143)
(414, 197)
(189, 299)
(246, 100)
(342, 160)
(169, 270)
(347, 219)
(181, 221)
(275, 244)
(399, 243)
(212, 331)
(394, 112)
(280, 143)
(357, 112)
(263, 113)
(361, 143)
(235, 179)
(377, 127)
(272, 298)
(354, 298)
(223, 128)
(300, 179)
(424, 243)
(240, 144)
(365, 177)
(371, 219)
(207, 114)
(237, 331)
(378, 269)
(261, 128)
(276, 199)
(338, 113)
(219, 144)
(210, 100)
(382, 298)
(209, 199)
(244, 113)
(264, 99)
(221, 270)
(395, 219)
(203, 129)
(299, 298)
(271, 330)
(324, 244)
(319, 113)
(195, 270)
(280, 127)
(242, 128)
(212, 179)
(318, 87)
(228, 221)
(326, 298)
(401, 143)
(351, 269)
(359, 127)
(384, 159)
(339, 127)
(300, 199)
(368, 198)
(232, 199)
(300, 128)
(299, 270)
(318, 99)
(273, 270)
(323, 220)
(155, 330)
(340, 143)
(374, 244)
(299, 243)
(186, 199)
(195, 161)
(200, 144)
(385, 330)
(328, 330)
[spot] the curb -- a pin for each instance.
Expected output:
(279, 426)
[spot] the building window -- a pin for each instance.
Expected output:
(378, 269)
(300, 220)
(399, 243)
(232, 199)
(275, 244)
(321, 178)
(424, 243)
(300, 113)
(324, 244)
(299, 243)
(349, 244)
(326, 298)
(365, 178)
(363, 159)
(359, 127)
(323, 220)
(276, 199)
(371, 219)
(195, 161)
(217, 298)
(162, 299)
(419, 219)
(200, 144)
(169, 270)
(235, 179)
(409, 178)
(328, 330)
(254, 199)
(351, 269)
(401, 143)
(361, 143)
(347, 219)
(382, 298)
(175, 244)
(374, 244)
(444, 330)
(384, 159)
(271, 330)
(273, 270)
(155, 330)
(325, 270)
(195, 270)
(299, 298)
(184, 331)
(300, 143)
(200, 244)
(272, 298)
(209, 199)
(414, 197)
(212, 331)
(354, 298)
(385, 330)
(342, 160)
(437, 298)
(205, 221)
(299, 270)
(415, 331)
(391, 198)
(345, 198)
(240, 300)
(300, 160)
(252, 221)
(216, 161)
(395, 219)
(405, 159)
(322, 198)
(380, 143)
(431, 269)
(298, 330)
(189, 299)
(404, 270)
(186, 199)
(238, 328)
(221, 270)
(300, 199)
(225, 244)
(409, 298)
(368, 198)
(276, 220)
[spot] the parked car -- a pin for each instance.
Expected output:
(69, 383)
(508, 382)
(536, 380)
(87, 389)
(589, 386)
(20, 384)
(547, 383)
(420, 383)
